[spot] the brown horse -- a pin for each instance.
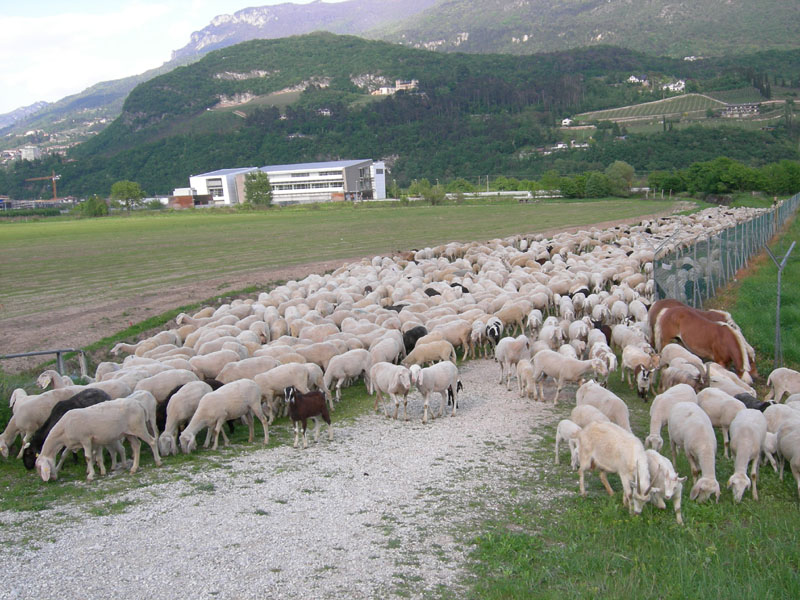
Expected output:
(709, 340)
(720, 316)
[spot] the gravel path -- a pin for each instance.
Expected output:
(385, 510)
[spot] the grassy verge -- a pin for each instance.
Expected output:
(573, 547)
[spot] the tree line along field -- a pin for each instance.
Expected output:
(51, 263)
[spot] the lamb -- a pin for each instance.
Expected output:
(690, 428)
(611, 449)
(782, 381)
(789, 449)
(659, 411)
(606, 401)
(748, 433)
(343, 367)
(563, 369)
(82, 399)
(567, 431)
(509, 351)
(240, 398)
(526, 386)
(99, 425)
(430, 353)
(666, 483)
(392, 380)
(307, 406)
(586, 413)
(179, 411)
(438, 378)
(721, 408)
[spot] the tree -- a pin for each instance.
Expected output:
(94, 206)
(257, 189)
(620, 177)
(127, 193)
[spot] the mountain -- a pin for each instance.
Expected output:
(662, 27)
(311, 98)
(20, 114)
(283, 20)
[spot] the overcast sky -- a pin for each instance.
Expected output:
(50, 49)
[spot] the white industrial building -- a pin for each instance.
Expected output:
(301, 183)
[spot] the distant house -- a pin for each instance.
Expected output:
(399, 84)
(566, 122)
(635, 79)
(677, 86)
(737, 111)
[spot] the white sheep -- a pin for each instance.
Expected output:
(161, 384)
(57, 379)
(642, 363)
(690, 428)
(611, 449)
(434, 351)
(180, 410)
(789, 449)
(242, 398)
(526, 386)
(276, 380)
(246, 369)
(606, 401)
(393, 380)
(208, 366)
(99, 425)
(344, 367)
(782, 381)
(508, 352)
(563, 369)
(438, 378)
(584, 414)
(721, 408)
(567, 431)
(748, 432)
(660, 408)
(666, 483)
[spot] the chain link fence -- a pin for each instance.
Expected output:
(693, 272)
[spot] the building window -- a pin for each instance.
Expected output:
(301, 174)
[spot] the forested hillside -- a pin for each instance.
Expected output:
(308, 98)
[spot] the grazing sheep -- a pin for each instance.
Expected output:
(179, 411)
(393, 380)
(430, 353)
(439, 378)
(721, 408)
(659, 411)
(666, 483)
(210, 365)
(82, 399)
(567, 431)
(508, 352)
(246, 369)
(642, 363)
(526, 386)
(782, 381)
(611, 449)
(99, 425)
(411, 336)
(241, 398)
(307, 406)
(563, 369)
(344, 367)
(748, 432)
(606, 401)
(57, 379)
(678, 371)
(789, 449)
(586, 413)
(161, 384)
(690, 428)
(276, 380)
(778, 414)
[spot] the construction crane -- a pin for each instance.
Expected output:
(53, 177)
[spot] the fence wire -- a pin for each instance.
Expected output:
(693, 272)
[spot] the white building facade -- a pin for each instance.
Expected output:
(301, 183)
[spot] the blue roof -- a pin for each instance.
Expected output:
(223, 172)
(336, 164)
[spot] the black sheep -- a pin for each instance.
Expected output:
(411, 336)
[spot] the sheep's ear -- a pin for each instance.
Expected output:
(682, 479)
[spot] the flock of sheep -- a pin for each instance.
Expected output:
(564, 307)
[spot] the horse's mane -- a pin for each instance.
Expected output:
(742, 347)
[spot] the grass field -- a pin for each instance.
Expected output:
(49, 263)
